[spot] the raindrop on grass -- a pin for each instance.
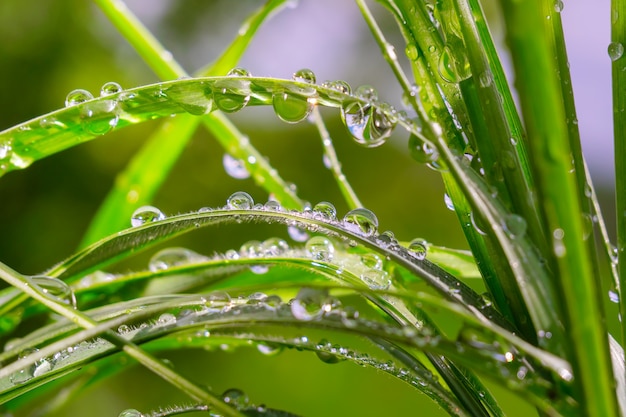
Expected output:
(269, 349)
(453, 63)
(368, 125)
(411, 51)
(361, 221)
(169, 257)
(320, 248)
(146, 214)
(235, 168)
(240, 200)
(367, 92)
(376, 280)
(418, 248)
(56, 288)
(311, 304)
(558, 6)
(77, 96)
(372, 261)
(99, 117)
(515, 225)
(615, 50)
(291, 108)
(422, 151)
(236, 398)
(304, 75)
(274, 247)
(232, 94)
(166, 319)
(42, 366)
(24, 374)
(448, 202)
(328, 357)
(614, 296)
(110, 88)
(325, 210)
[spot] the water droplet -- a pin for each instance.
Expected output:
(124, 329)
(99, 117)
(24, 374)
(376, 280)
(411, 51)
(252, 249)
(418, 248)
(304, 75)
(170, 257)
(387, 238)
(368, 125)
(6, 152)
(297, 234)
(235, 168)
(320, 248)
(423, 152)
(340, 86)
(131, 412)
(218, 301)
(327, 161)
(56, 288)
(240, 200)
(110, 88)
(269, 349)
(325, 210)
(275, 247)
(166, 319)
(485, 79)
(236, 398)
(291, 108)
(328, 357)
(311, 304)
(367, 92)
(349, 316)
(557, 243)
(614, 296)
(372, 261)
(615, 50)
(77, 96)
(272, 205)
(42, 366)
(146, 214)
(232, 94)
(558, 6)
(448, 202)
(453, 63)
(361, 221)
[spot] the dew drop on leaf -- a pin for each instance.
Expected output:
(235, 398)
(558, 6)
(110, 88)
(238, 72)
(421, 151)
(418, 248)
(269, 349)
(77, 96)
(368, 125)
(411, 51)
(24, 374)
(232, 95)
(448, 202)
(615, 50)
(361, 221)
(304, 75)
(169, 257)
(614, 296)
(274, 247)
(325, 210)
(56, 288)
(367, 92)
(146, 214)
(312, 304)
(515, 225)
(166, 319)
(240, 200)
(376, 280)
(235, 168)
(320, 248)
(328, 357)
(99, 117)
(291, 108)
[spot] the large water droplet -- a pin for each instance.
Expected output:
(418, 248)
(99, 117)
(558, 6)
(236, 168)
(166, 319)
(376, 280)
(304, 75)
(25, 374)
(240, 200)
(42, 366)
(614, 296)
(275, 247)
(291, 108)
(311, 304)
(252, 249)
(77, 96)
(169, 257)
(453, 63)
(361, 221)
(57, 288)
(367, 92)
(367, 124)
(421, 151)
(615, 50)
(235, 398)
(232, 94)
(146, 214)
(325, 210)
(110, 88)
(320, 248)
(411, 51)
(448, 202)
(269, 349)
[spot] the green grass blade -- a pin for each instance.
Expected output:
(618, 65)
(544, 115)
(142, 178)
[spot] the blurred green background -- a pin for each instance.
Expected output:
(51, 48)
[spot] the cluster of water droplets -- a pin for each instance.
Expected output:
(97, 116)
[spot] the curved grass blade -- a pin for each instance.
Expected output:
(141, 179)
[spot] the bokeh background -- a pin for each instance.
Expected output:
(50, 48)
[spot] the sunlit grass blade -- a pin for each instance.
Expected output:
(544, 115)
